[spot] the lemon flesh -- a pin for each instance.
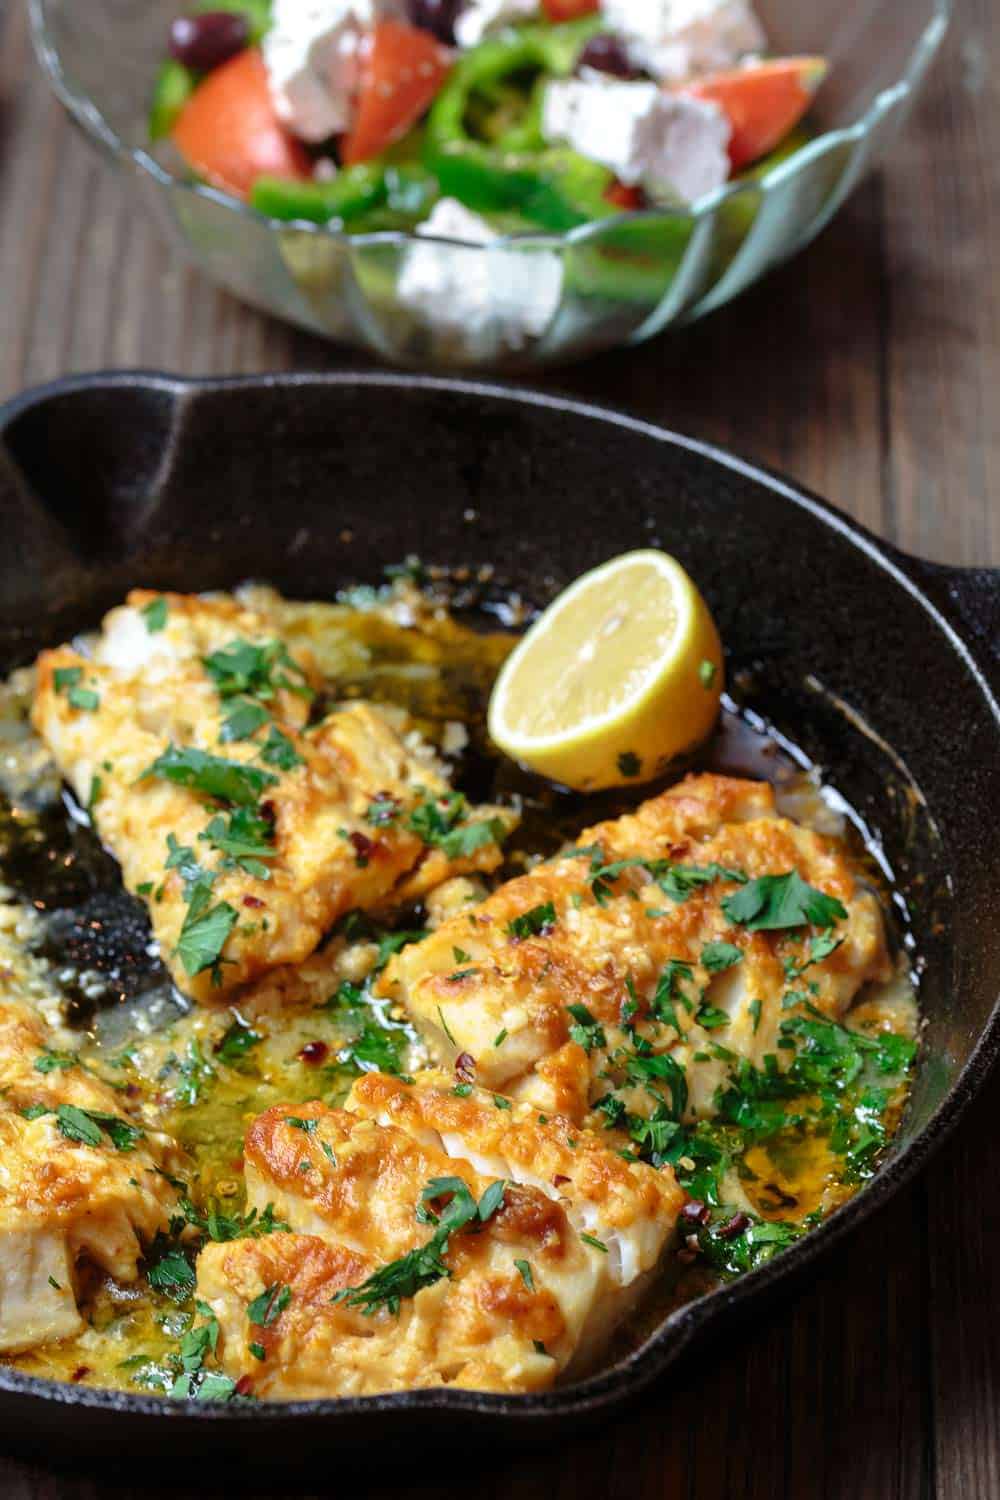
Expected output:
(620, 675)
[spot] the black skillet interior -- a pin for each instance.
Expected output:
(884, 669)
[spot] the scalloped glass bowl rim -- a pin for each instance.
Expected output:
(89, 117)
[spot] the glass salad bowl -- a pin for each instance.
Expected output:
(522, 300)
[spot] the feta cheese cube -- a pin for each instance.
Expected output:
(675, 39)
(479, 17)
(481, 303)
(672, 145)
(313, 55)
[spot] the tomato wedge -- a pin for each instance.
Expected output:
(763, 102)
(569, 10)
(402, 73)
(228, 131)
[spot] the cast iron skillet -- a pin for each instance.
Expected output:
(884, 668)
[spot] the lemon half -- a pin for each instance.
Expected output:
(621, 674)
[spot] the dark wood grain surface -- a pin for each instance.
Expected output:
(869, 370)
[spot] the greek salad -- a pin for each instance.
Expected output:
(472, 118)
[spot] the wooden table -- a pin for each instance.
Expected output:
(868, 369)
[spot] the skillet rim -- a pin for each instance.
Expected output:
(600, 1393)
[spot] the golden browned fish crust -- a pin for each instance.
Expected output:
(143, 691)
(64, 1199)
(545, 987)
(521, 1295)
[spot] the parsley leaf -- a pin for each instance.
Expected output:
(244, 839)
(278, 750)
(169, 1270)
(524, 1270)
(236, 1041)
(88, 1127)
(588, 1032)
(268, 1307)
(243, 720)
(719, 956)
(534, 923)
(772, 902)
(438, 821)
(241, 668)
(204, 932)
(49, 1060)
(155, 614)
(225, 780)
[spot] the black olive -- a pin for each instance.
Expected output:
(205, 42)
(437, 16)
(607, 54)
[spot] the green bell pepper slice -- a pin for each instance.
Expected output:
(354, 191)
(372, 196)
(173, 88)
(515, 173)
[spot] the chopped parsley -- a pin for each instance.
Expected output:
(674, 880)
(67, 680)
(586, 1031)
(719, 956)
(772, 902)
(242, 721)
(50, 1060)
(204, 932)
(223, 1227)
(278, 750)
(195, 1074)
(537, 922)
(382, 810)
(89, 1127)
(155, 614)
(224, 780)
(711, 1017)
(387, 1287)
(243, 669)
(269, 1305)
(524, 1271)
(591, 1239)
(236, 1041)
(168, 1270)
(707, 672)
(439, 821)
(244, 839)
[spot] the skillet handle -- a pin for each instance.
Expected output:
(970, 597)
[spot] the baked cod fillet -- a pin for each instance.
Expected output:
(79, 1181)
(247, 830)
(367, 1298)
(614, 973)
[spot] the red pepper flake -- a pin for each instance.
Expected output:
(465, 1067)
(244, 1385)
(559, 1179)
(364, 848)
(132, 1090)
(80, 1373)
(252, 901)
(314, 1052)
(736, 1226)
(695, 1212)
